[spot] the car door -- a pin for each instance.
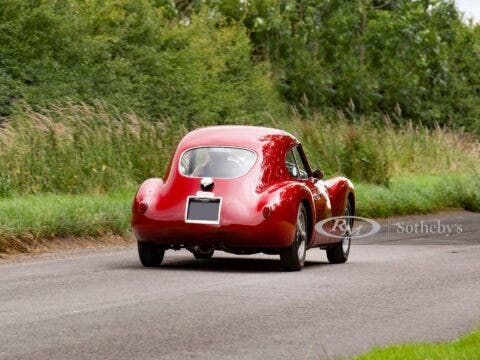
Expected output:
(297, 161)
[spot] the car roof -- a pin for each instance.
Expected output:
(253, 137)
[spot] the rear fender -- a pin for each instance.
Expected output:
(339, 190)
(148, 193)
(283, 201)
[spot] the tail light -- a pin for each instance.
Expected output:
(267, 211)
(142, 207)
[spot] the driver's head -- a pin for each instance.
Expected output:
(218, 155)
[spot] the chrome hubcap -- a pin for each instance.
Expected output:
(301, 235)
(347, 237)
(346, 242)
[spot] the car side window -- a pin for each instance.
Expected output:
(303, 173)
(291, 164)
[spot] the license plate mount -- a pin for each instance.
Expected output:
(203, 210)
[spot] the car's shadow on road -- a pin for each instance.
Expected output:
(222, 264)
(241, 264)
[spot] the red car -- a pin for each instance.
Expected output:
(243, 190)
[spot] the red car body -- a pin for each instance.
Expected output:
(258, 209)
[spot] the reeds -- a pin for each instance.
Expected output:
(80, 148)
(373, 150)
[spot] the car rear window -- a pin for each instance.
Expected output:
(217, 162)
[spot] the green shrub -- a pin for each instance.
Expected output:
(223, 61)
(409, 59)
(135, 56)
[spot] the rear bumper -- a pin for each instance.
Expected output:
(266, 234)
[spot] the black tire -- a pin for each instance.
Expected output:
(293, 258)
(203, 253)
(150, 254)
(338, 253)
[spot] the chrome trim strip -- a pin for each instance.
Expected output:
(204, 194)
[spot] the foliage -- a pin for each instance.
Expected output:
(189, 64)
(99, 149)
(466, 347)
(192, 60)
(409, 59)
(133, 55)
(374, 150)
(95, 94)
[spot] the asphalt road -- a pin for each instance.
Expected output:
(102, 304)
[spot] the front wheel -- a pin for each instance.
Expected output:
(293, 258)
(338, 253)
(150, 254)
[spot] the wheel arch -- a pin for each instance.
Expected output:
(284, 202)
(340, 191)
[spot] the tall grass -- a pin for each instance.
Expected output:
(78, 148)
(81, 149)
(375, 151)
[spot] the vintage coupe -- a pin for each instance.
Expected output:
(243, 190)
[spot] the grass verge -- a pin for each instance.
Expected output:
(418, 194)
(466, 347)
(26, 219)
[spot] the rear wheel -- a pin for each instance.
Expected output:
(150, 254)
(293, 258)
(338, 253)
